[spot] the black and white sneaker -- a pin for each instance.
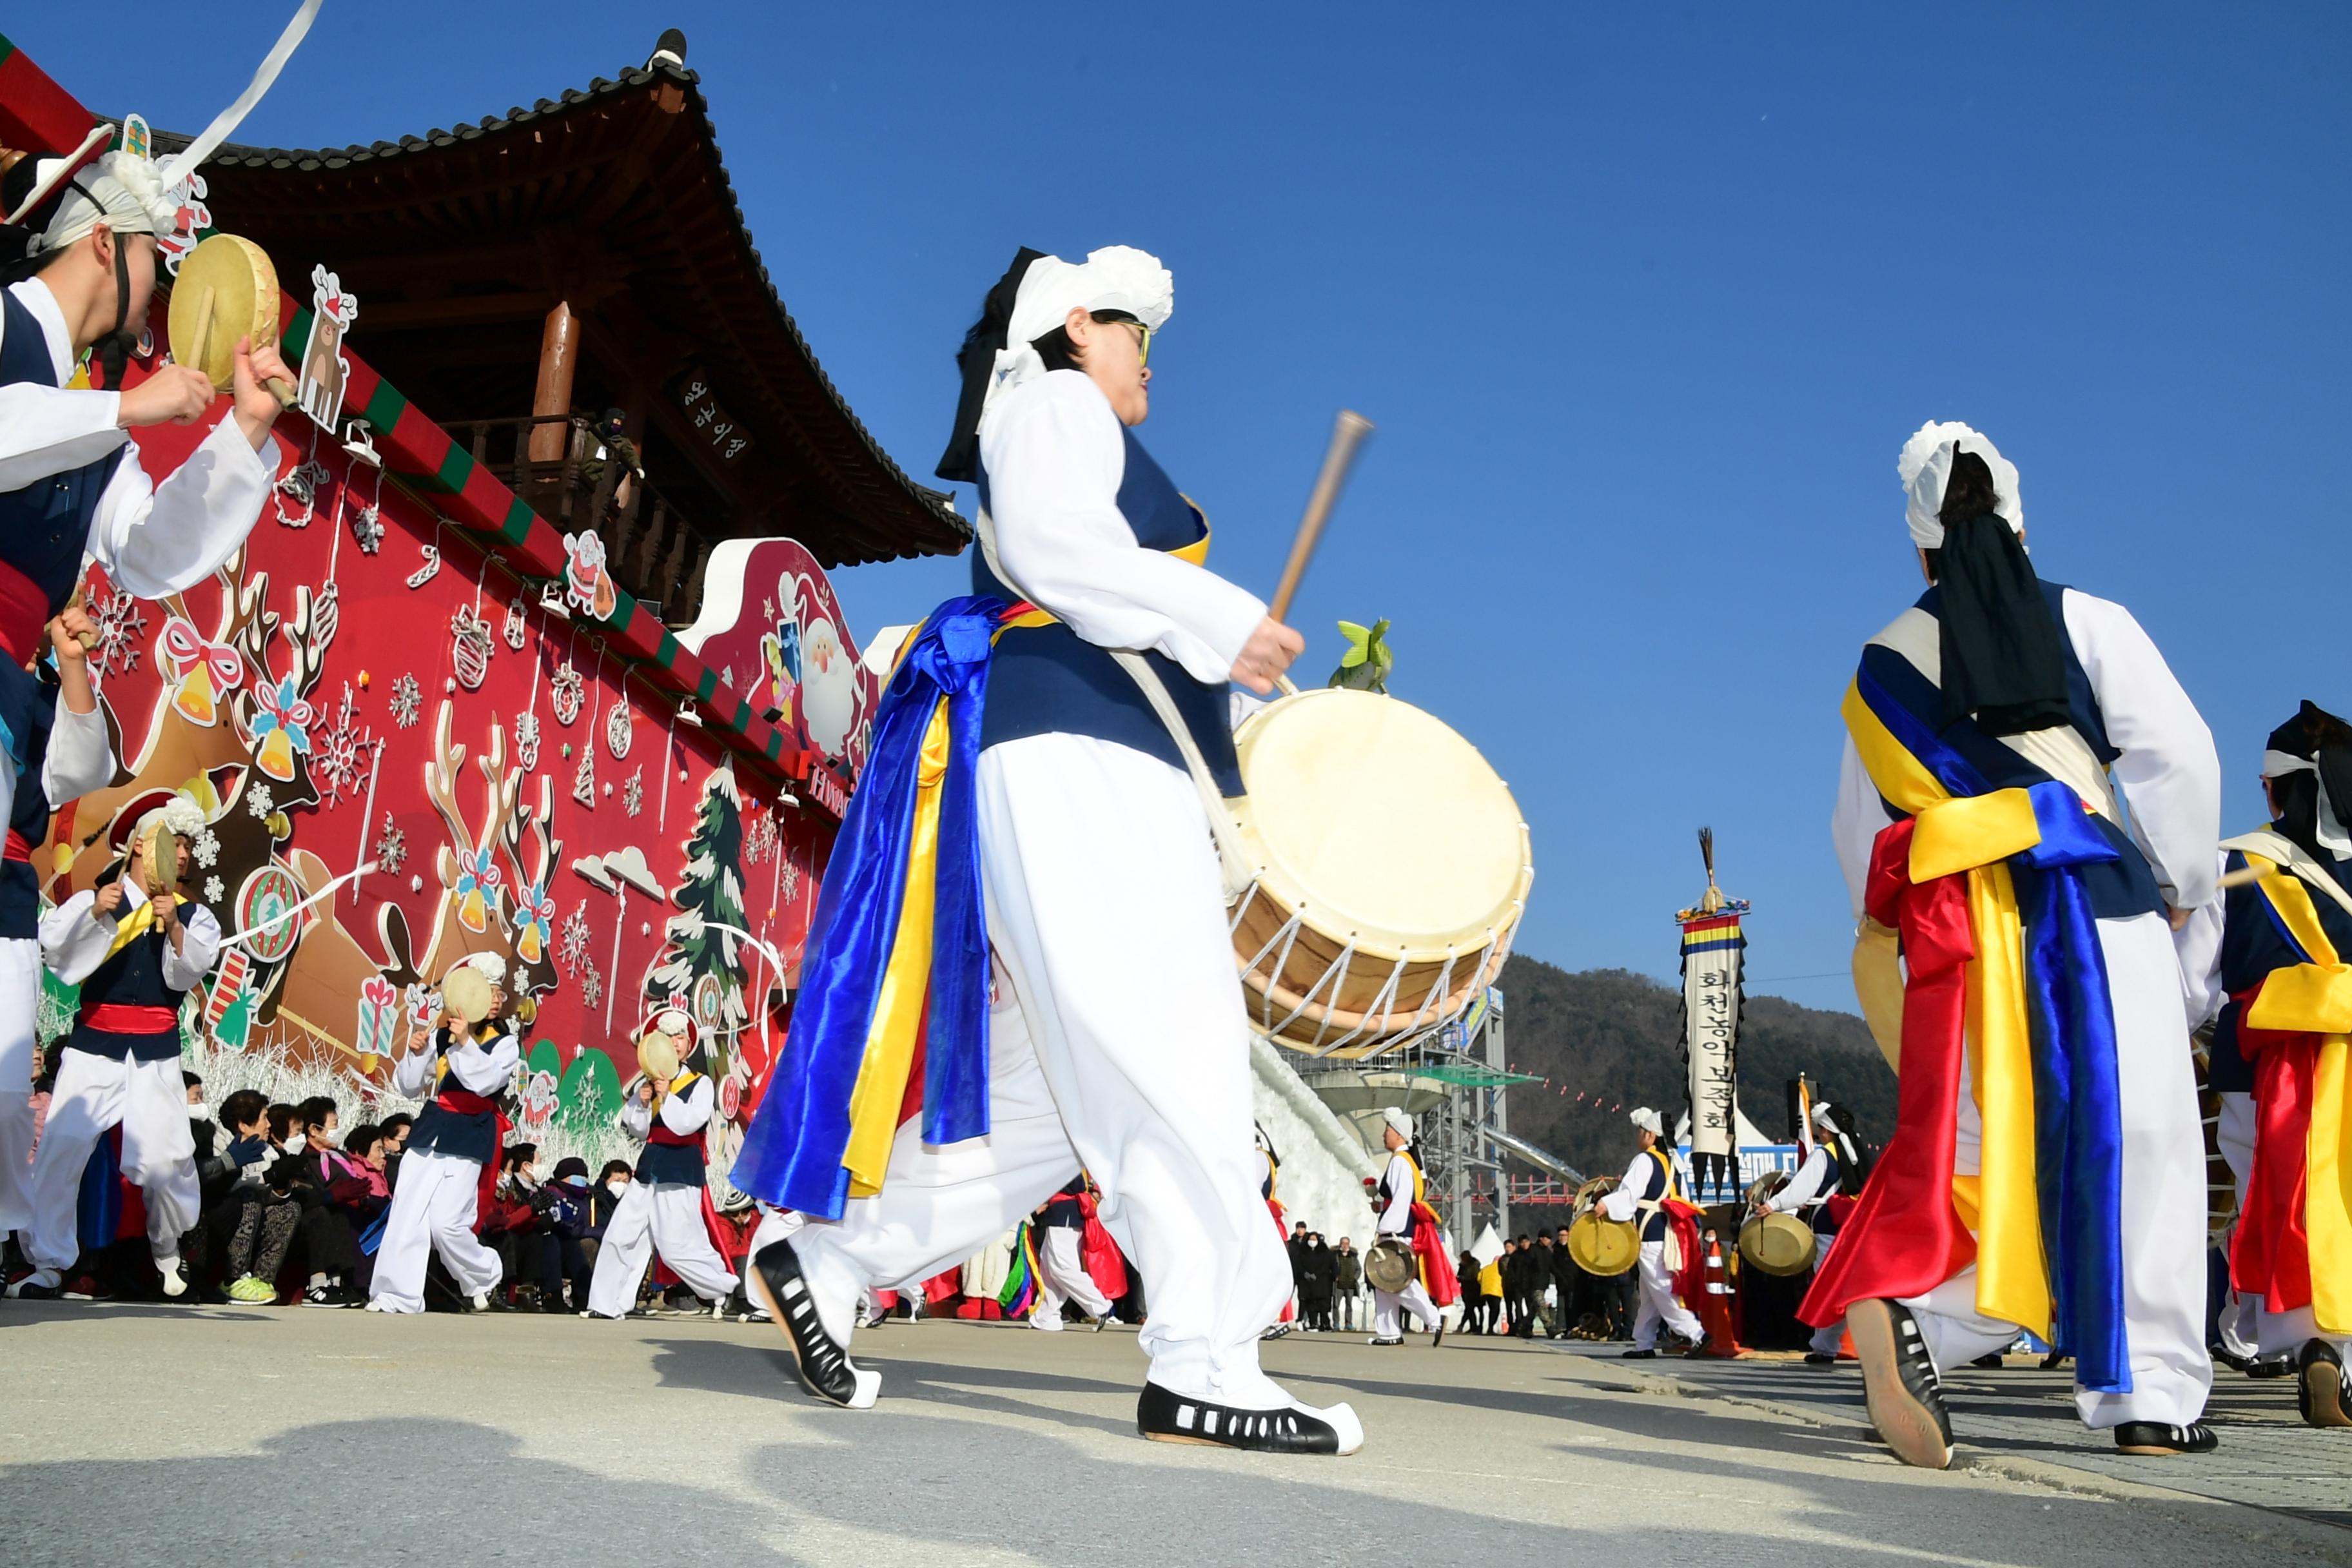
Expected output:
(2270, 1366)
(2322, 1393)
(40, 1285)
(2156, 1438)
(1166, 1417)
(776, 1283)
(1899, 1384)
(1639, 1356)
(1392, 1340)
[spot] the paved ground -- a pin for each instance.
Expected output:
(135, 1435)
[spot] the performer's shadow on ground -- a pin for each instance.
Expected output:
(765, 1371)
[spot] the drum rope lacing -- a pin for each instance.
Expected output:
(1377, 1018)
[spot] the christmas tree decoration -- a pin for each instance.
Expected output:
(583, 778)
(709, 892)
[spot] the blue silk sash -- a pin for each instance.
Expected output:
(872, 995)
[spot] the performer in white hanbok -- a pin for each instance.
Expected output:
(1806, 1195)
(661, 1211)
(65, 752)
(1400, 1190)
(2027, 793)
(1121, 1044)
(134, 946)
(1061, 1274)
(1640, 1197)
(464, 1065)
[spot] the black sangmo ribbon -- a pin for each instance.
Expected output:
(977, 361)
(2004, 657)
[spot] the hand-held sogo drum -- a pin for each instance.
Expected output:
(1597, 1244)
(1392, 866)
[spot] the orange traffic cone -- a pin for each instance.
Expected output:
(1715, 1313)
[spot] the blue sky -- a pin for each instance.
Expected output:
(1643, 299)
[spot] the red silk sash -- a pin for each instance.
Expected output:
(24, 612)
(17, 848)
(1904, 1237)
(2272, 1255)
(128, 1018)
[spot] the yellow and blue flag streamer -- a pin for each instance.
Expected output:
(898, 953)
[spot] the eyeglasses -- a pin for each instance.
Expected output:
(1143, 346)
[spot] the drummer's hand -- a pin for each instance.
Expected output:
(1267, 655)
(176, 394)
(257, 407)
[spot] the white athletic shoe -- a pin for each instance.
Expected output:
(176, 1278)
(376, 1306)
(1049, 1321)
(481, 1300)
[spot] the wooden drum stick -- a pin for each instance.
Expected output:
(1347, 436)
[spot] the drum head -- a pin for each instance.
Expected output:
(1380, 824)
(1777, 1244)
(244, 286)
(1602, 1246)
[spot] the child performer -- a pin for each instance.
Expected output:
(456, 1138)
(134, 949)
(662, 1210)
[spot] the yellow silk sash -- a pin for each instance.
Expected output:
(906, 984)
(2317, 998)
(1977, 835)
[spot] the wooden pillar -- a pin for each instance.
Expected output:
(559, 356)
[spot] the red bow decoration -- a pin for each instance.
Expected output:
(186, 648)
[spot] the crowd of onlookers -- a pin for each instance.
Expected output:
(1533, 1288)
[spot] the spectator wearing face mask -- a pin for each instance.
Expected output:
(330, 1239)
(258, 1214)
(396, 1139)
(521, 1229)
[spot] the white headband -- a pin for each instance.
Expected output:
(2329, 822)
(1116, 278)
(121, 190)
(1649, 1122)
(1925, 467)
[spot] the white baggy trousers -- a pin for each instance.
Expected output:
(149, 1100)
(1123, 1045)
(434, 1205)
(664, 1218)
(2163, 1200)
(1659, 1304)
(1062, 1277)
(20, 1013)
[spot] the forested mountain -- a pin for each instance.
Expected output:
(1616, 1034)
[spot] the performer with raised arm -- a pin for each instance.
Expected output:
(2046, 1169)
(1025, 796)
(135, 947)
(2270, 957)
(464, 1064)
(65, 752)
(661, 1211)
(1642, 1196)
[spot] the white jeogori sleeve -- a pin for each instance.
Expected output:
(2197, 945)
(2169, 773)
(637, 1118)
(72, 942)
(158, 540)
(412, 1075)
(1625, 1202)
(485, 1070)
(1397, 1219)
(1055, 460)
(48, 430)
(1855, 824)
(1804, 1186)
(190, 959)
(688, 1113)
(80, 758)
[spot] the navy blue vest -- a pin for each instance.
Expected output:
(1822, 1221)
(679, 1162)
(456, 1134)
(1064, 1212)
(1048, 679)
(132, 977)
(1655, 1183)
(2118, 889)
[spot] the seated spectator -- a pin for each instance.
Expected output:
(603, 1198)
(522, 1232)
(330, 1227)
(572, 1213)
(395, 1138)
(254, 1212)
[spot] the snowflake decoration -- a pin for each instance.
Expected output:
(258, 801)
(391, 846)
(340, 758)
(367, 528)
(206, 851)
(572, 947)
(407, 698)
(566, 690)
(527, 740)
(788, 881)
(302, 486)
(760, 841)
(214, 889)
(633, 794)
(767, 609)
(519, 982)
(591, 985)
(122, 622)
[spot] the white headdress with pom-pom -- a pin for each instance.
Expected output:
(1926, 468)
(1116, 278)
